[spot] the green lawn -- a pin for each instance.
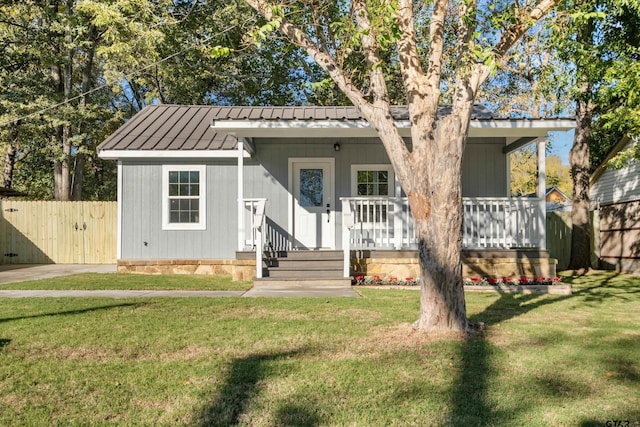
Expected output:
(95, 281)
(544, 360)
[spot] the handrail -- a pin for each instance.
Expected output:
(256, 209)
(488, 222)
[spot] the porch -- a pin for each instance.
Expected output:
(501, 236)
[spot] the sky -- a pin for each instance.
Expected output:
(561, 144)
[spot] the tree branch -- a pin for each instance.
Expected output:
(525, 21)
(322, 58)
(378, 86)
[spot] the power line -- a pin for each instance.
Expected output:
(43, 110)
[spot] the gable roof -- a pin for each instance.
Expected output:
(170, 127)
(615, 150)
(179, 130)
(548, 191)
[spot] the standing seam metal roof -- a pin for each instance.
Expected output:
(184, 127)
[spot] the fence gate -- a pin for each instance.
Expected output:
(58, 232)
(620, 236)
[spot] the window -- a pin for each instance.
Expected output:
(372, 181)
(183, 197)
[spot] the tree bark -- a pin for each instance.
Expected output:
(10, 156)
(579, 159)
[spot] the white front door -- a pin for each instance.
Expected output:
(313, 216)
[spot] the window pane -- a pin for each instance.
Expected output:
(173, 177)
(184, 190)
(184, 177)
(195, 204)
(383, 176)
(362, 189)
(184, 217)
(383, 189)
(174, 217)
(194, 216)
(194, 177)
(194, 189)
(173, 204)
(311, 187)
(364, 176)
(173, 189)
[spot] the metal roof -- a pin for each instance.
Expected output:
(182, 128)
(170, 127)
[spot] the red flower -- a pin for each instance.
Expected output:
(476, 279)
(409, 279)
(393, 279)
(492, 280)
(358, 278)
(556, 279)
(376, 277)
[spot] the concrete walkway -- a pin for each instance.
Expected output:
(11, 273)
(115, 294)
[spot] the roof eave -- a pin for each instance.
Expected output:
(169, 154)
(361, 128)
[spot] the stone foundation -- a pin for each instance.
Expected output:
(471, 267)
(239, 270)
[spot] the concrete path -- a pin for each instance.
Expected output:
(115, 294)
(11, 273)
(276, 292)
(301, 291)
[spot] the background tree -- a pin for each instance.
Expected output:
(356, 48)
(598, 38)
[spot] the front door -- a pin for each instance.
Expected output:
(313, 215)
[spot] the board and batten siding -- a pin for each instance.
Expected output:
(142, 235)
(266, 174)
(617, 185)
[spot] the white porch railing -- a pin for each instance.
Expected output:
(253, 221)
(488, 223)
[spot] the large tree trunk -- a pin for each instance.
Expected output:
(10, 156)
(579, 160)
(61, 170)
(437, 216)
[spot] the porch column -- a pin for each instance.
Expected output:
(542, 190)
(241, 230)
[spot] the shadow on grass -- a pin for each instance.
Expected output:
(73, 312)
(4, 342)
(469, 398)
(242, 386)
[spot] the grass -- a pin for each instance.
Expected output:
(544, 360)
(95, 281)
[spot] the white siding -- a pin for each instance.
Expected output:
(617, 185)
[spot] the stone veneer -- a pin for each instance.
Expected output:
(239, 270)
(403, 268)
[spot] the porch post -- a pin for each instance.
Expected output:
(542, 190)
(241, 230)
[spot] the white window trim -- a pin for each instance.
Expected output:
(388, 168)
(202, 224)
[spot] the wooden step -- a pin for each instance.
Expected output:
(304, 283)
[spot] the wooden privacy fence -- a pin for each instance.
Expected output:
(559, 237)
(58, 232)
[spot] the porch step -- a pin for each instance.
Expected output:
(303, 283)
(304, 267)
